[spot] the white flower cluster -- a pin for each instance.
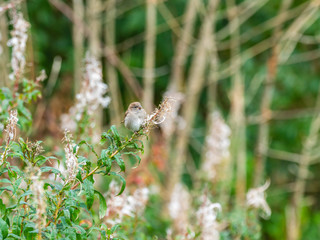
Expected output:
(39, 200)
(18, 42)
(207, 216)
(256, 198)
(11, 126)
(91, 96)
(124, 204)
(178, 207)
(71, 159)
(42, 76)
(217, 144)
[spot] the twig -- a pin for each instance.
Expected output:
(265, 26)
(305, 19)
(140, 37)
(284, 115)
(283, 155)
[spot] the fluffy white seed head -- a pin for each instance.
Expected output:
(90, 97)
(71, 158)
(10, 129)
(206, 217)
(39, 200)
(18, 42)
(256, 198)
(125, 204)
(217, 145)
(178, 207)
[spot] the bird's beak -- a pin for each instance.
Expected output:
(139, 108)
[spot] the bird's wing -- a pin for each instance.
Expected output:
(125, 115)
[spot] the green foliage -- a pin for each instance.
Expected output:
(68, 212)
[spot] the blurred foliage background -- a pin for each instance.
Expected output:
(257, 62)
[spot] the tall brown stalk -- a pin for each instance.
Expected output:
(78, 42)
(194, 87)
(94, 23)
(4, 58)
(263, 134)
(149, 54)
(237, 114)
(182, 46)
(116, 104)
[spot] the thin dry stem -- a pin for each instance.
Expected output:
(237, 114)
(4, 55)
(182, 46)
(78, 42)
(263, 132)
(195, 85)
(149, 55)
(116, 108)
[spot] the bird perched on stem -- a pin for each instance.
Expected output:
(134, 117)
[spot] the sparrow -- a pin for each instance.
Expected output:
(134, 117)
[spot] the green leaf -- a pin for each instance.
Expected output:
(4, 228)
(89, 191)
(40, 160)
(13, 236)
(5, 181)
(116, 135)
(16, 185)
(79, 177)
(114, 228)
(122, 180)
(102, 204)
(103, 138)
(27, 193)
(105, 160)
(120, 162)
(3, 208)
(66, 214)
(10, 189)
(79, 229)
(22, 110)
(74, 213)
(48, 169)
(89, 145)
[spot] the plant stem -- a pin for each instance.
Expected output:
(237, 115)
(111, 156)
